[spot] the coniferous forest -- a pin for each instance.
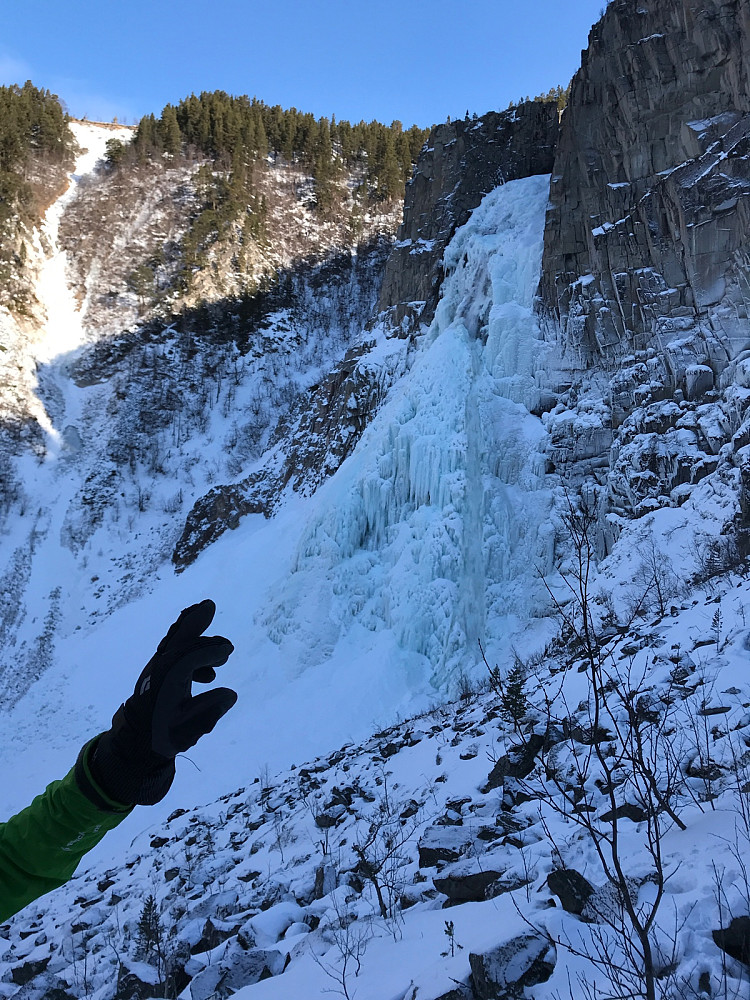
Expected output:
(231, 138)
(237, 135)
(237, 131)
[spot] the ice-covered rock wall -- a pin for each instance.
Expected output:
(437, 527)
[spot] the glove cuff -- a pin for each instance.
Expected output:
(87, 784)
(125, 768)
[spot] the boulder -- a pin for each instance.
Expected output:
(211, 937)
(132, 987)
(441, 845)
(205, 983)
(44, 987)
(517, 763)
(505, 971)
(627, 810)
(571, 888)
(326, 880)
(470, 888)
(26, 971)
(177, 977)
(508, 883)
(237, 969)
(699, 379)
(735, 939)
(460, 992)
(327, 820)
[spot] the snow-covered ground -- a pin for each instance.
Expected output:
(63, 331)
(274, 874)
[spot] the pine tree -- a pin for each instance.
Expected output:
(169, 131)
(147, 141)
(388, 180)
(324, 167)
(261, 139)
(403, 152)
(33, 131)
(310, 139)
(289, 129)
(142, 282)
(513, 702)
(150, 932)
(115, 152)
(203, 125)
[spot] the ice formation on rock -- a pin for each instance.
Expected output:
(438, 527)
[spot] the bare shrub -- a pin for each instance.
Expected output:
(655, 583)
(610, 748)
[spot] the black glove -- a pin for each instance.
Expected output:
(133, 762)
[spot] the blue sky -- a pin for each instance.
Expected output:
(418, 61)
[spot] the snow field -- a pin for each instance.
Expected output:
(389, 561)
(269, 874)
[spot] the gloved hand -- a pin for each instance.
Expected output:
(133, 762)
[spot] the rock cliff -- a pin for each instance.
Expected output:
(462, 162)
(308, 445)
(647, 231)
(645, 281)
(646, 259)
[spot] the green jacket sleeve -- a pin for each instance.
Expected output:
(41, 846)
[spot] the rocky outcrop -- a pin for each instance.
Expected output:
(236, 970)
(332, 416)
(461, 163)
(646, 242)
(466, 888)
(519, 762)
(310, 445)
(220, 510)
(572, 889)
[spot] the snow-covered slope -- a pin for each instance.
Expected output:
(272, 890)
(361, 602)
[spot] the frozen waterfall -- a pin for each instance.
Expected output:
(437, 528)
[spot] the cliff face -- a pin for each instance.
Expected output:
(647, 232)
(645, 279)
(463, 162)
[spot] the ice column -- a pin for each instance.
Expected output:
(436, 528)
